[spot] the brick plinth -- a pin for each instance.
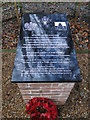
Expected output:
(58, 92)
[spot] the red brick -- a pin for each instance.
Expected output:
(59, 92)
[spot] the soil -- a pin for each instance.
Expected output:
(77, 105)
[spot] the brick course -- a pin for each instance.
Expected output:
(58, 92)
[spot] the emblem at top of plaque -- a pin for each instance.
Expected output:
(30, 26)
(45, 20)
(61, 25)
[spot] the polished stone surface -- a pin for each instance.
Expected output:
(45, 51)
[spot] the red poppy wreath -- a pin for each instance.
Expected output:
(41, 109)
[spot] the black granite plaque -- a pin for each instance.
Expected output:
(45, 51)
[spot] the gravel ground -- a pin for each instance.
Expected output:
(77, 103)
(75, 107)
(10, 27)
(47, 7)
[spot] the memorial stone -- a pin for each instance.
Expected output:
(45, 50)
